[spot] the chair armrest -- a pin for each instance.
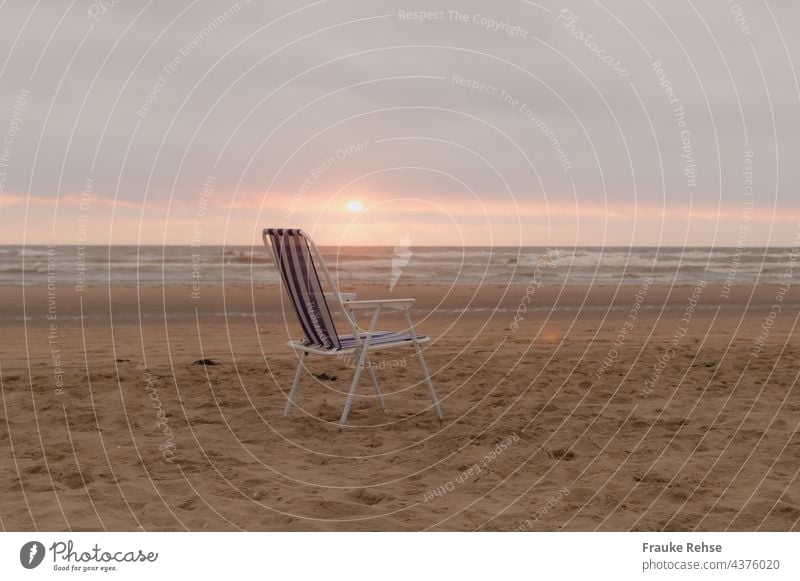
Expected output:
(346, 297)
(399, 304)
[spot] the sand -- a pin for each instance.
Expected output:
(561, 420)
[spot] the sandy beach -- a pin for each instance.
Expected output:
(584, 412)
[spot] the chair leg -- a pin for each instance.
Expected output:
(429, 383)
(359, 366)
(375, 387)
(424, 367)
(362, 357)
(295, 383)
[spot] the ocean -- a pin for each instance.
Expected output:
(244, 265)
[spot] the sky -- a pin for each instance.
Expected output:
(364, 122)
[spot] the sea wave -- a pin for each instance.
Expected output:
(374, 265)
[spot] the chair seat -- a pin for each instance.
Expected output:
(378, 338)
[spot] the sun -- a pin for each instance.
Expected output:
(354, 206)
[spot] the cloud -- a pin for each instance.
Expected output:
(475, 104)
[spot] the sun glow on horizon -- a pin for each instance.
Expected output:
(354, 206)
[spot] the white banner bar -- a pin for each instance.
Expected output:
(401, 556)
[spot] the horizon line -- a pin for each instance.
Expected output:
(666, 246)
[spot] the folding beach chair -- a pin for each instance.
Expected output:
(297, 257)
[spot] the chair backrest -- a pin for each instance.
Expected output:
(295, 261)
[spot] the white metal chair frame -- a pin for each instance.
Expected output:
(348, 305)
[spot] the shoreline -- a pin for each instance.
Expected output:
(186, 300)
